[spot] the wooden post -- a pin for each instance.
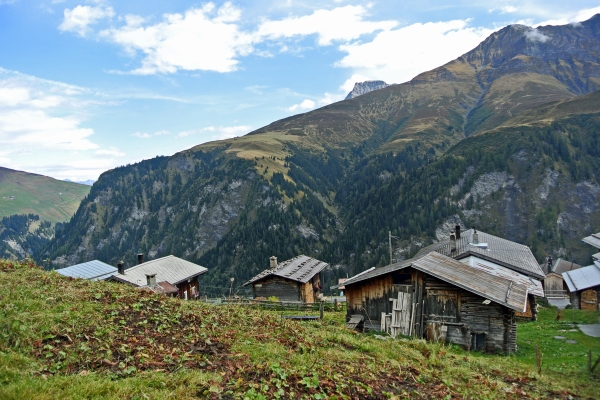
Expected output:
(321, 309)
(595, 364)
(390, 243)
(538, 358)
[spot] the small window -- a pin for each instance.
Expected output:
(478, 341)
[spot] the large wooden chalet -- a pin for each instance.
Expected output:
(297, 279)
(465, 290)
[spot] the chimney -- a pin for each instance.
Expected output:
(452, 242)
(272, 262)
(151, 280)
(475, 237)
(140, 258)
(121, 267)
(549, 264)
(457, 230)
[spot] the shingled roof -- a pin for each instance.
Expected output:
(499, 289)
(301, 269)
(504, 252)
(169, 269)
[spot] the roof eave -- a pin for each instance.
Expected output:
(188, 278)
(468, 289)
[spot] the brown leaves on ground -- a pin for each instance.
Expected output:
(118, 330)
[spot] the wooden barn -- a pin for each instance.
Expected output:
(297, 279)
(470, 296)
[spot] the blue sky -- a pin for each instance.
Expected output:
(86, 86)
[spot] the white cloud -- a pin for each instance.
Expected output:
(339, 24)
(12, 96)
(80, 18)
(573, 18)
(111, 151)
(398, 55)
(218, 132)
(145, 135)
(40, 114)
(306, 104)
(42, 122)
(505, 9)
(208, 38)
(37, 129)
(203, 38)
(536, 36)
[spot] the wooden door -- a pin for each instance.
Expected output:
(402, 310)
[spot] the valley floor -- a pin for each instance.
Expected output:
(66, 338)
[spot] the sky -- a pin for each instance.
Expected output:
(89, 85)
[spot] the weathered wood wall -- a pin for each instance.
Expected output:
(456, 314)
(283, 289)
(186, 287)
(553, 282)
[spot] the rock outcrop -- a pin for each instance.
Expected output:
(365, 87)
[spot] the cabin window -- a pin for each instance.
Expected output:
(478, 341)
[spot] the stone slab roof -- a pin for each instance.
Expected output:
(301, 269)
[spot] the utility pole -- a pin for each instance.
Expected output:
(390, 243)
(231, 287)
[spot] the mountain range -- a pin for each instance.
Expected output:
(30, 206)
(506, 138)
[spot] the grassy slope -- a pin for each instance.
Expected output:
(64, 338)
(51, 199)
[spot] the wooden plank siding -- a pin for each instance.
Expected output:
(462, 316)
(283, 289)
(553, 282)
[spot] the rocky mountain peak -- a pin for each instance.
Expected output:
(365, 87)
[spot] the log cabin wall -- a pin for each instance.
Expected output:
(308, 294)
(469, 322)
(283, 289)
(371, 298)
(460, 314)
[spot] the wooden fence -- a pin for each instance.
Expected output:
(283, 305)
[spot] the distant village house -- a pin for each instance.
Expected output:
(584, 283)
(297, 279)
(170, 275)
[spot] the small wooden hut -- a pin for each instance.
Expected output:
(468, 297)
(297, 279)
(584, 287)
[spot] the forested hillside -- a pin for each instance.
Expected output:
(504, 139)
